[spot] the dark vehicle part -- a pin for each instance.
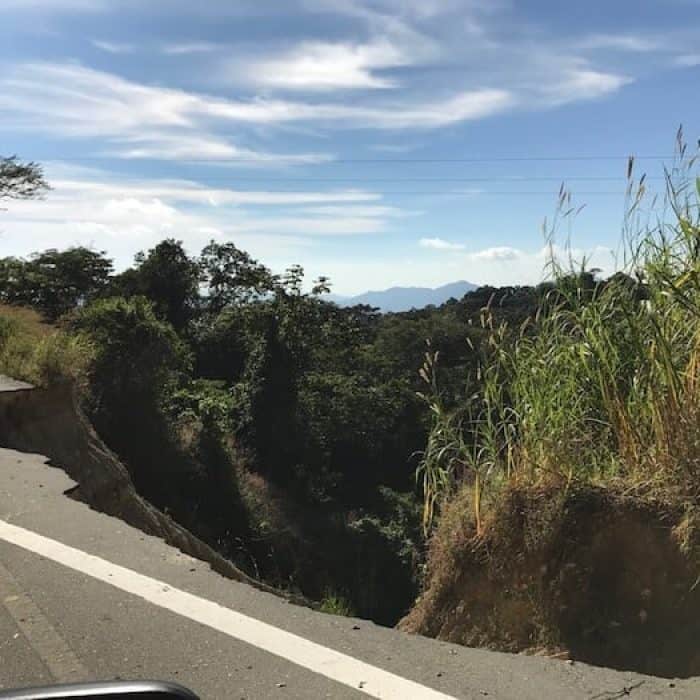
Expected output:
(136, 690)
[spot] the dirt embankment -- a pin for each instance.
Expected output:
(50, 422)
(591, 574)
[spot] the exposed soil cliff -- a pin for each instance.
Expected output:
(592, 574)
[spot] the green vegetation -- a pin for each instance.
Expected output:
(303, 440)
(562, 493)
(278, 427)
(334, 604)
(600, 386)
(271, 423)
(54, 282)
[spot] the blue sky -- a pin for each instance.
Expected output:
(378, 142)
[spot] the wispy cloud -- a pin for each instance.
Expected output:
(160, 145)
(430, 114)
(133, 120)
(396, 55)
(583, 84)
(328, 66)
(440, 244)
(183, 192)
(619, 42)
(127, 215)
(145, 121)
(113, 46)
(394, 147)
(186, 48)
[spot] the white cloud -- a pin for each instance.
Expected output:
(100, 187)
(162, 145)
(186, 48)
(394, 147)
(439, 244)
(146, 121)
(508, 265)
(135, 121)
(429, 115)
(469, 105)
(316, 65)
(112, 46)
(496, 254)
(583, 84)
(619, 42)
(86, 207)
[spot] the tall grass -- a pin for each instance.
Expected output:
(36, 352)
(602, 384)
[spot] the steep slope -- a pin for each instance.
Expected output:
(594, 575)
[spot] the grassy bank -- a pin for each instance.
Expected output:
(599, 392)
(35, 351)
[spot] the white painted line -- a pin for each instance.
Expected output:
(371, 680)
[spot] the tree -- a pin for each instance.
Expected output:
(135, 356)
(137, 361)
(168, 277)
(21, 180)
(233, 276)
(54, 282)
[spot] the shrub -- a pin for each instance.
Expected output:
(334, 604)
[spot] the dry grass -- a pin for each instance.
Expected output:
(602, 385)
(37, 352)
(29, 319)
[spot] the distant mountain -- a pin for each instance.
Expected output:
(407, 298)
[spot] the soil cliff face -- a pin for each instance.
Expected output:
(50, 422)
(591, 575)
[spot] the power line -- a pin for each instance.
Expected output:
(334, 161)
(503, 179)
(443, 193)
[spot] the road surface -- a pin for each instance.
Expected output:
(85, 597)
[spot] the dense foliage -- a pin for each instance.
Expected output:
(223, 386)
(54, 282)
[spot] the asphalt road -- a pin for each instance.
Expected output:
(60, 622)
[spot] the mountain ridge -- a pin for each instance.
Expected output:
(397, 299)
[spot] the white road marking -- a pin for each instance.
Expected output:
(363, 677)
(52, 649)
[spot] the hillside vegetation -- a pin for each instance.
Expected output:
(278, 427)
(282, 429)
